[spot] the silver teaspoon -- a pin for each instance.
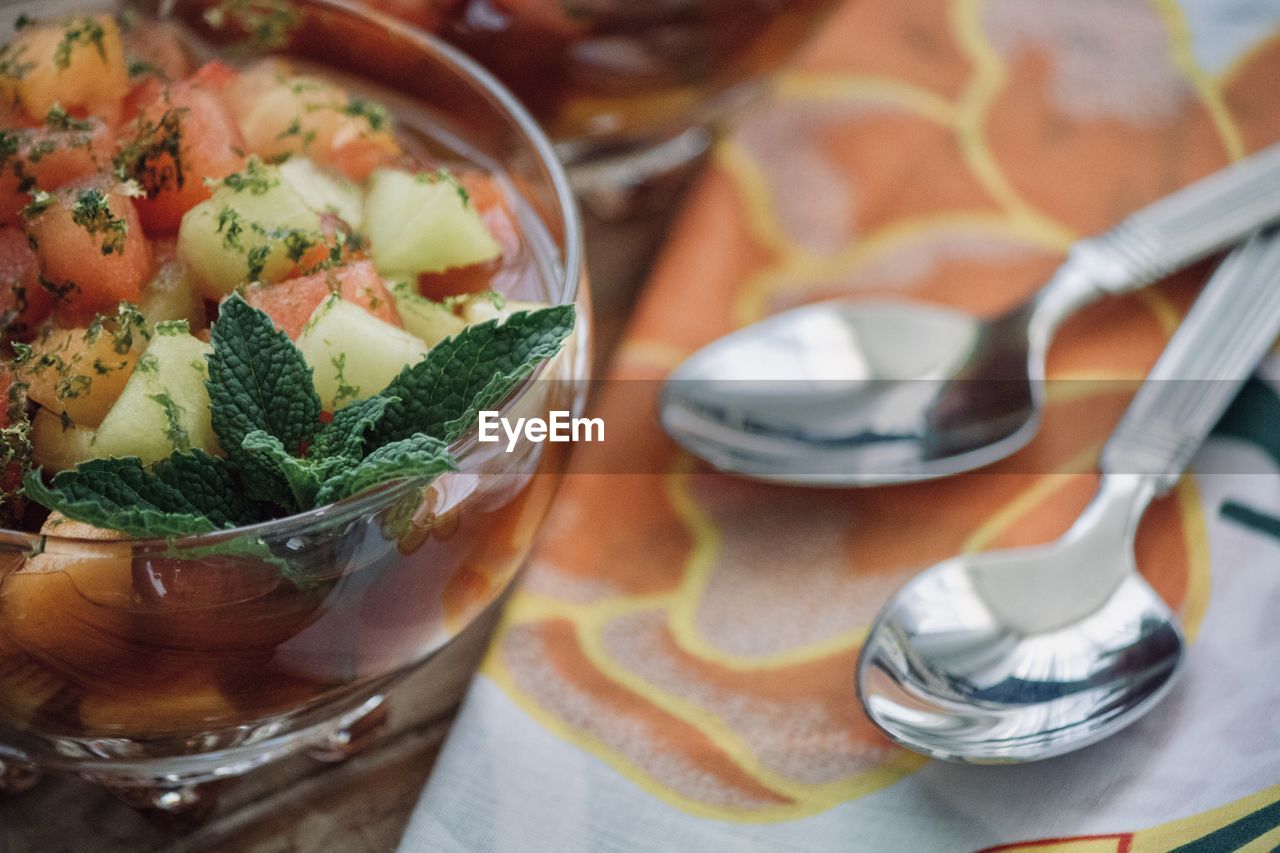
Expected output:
(862, 393)
(1018, 655)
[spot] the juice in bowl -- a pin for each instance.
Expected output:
(626, 89)
(255, 292)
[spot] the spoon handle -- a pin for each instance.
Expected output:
(1227, 332)
(1182, 228)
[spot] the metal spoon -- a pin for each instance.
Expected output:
(858, 393)
(1018, 655)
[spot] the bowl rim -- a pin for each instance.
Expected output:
(570, 269)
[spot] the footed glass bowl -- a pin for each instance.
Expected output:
(153, 667)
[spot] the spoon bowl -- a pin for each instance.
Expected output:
(987, 658)
(860, 393)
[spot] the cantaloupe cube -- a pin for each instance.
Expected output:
(81, 371)
(69, 606)
(92, 249)
(283, 114)
(49, 158)
(78, 64)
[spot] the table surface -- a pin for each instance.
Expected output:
(300, 804)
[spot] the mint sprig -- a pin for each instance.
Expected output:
(122, 495)
(280, 459)
(258, 382)
(419, 456)
(208, 487)
(302, 477)
(348, 433)
(442, 395)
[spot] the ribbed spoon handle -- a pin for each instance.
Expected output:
(1180, 229)
(1227, 332)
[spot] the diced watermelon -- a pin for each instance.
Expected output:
(96, 262)
(290, 304)
(363, 155)
(215, 75)
(459, 281)
(146, 91)
(48, 158)
(193, 117)
(24, 304)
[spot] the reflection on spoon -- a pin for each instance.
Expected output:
(1019, 655)
(855, 393)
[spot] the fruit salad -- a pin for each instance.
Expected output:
(201, 255)
(235, 298)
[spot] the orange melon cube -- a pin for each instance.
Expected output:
(92, 249)
(283, 114)
(79, 64)
(80, 372)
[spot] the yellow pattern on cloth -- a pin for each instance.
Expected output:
(697, 633)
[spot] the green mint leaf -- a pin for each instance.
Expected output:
(207, 484)
(119, 494)
(303, 476)
(442, 395)
(258, 380)
(348, 433)
(417, 456)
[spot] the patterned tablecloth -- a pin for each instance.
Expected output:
(677, 671)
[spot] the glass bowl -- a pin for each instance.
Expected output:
(628, 89)
(153, 667)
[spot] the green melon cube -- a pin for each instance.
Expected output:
(424, 318)
(483, 307)
(164, 406)
(256, 229)
(323, 191)
(423, 223)
(353, 354)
